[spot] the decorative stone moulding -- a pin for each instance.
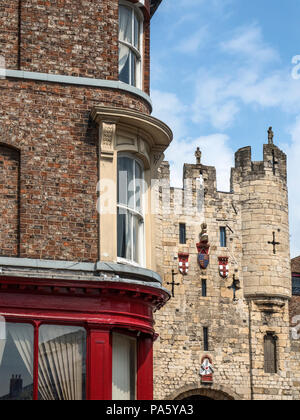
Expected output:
(270, 304)
(155, 134)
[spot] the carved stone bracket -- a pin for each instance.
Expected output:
(107, 139)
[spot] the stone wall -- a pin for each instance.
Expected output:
(236, 327)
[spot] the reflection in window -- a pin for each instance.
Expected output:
(130, 211)
(16, 362)
(124, 368)
(62, 368)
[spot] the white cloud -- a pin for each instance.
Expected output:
(215, 152)
(191, 44)
(168, 108)
(293, 152)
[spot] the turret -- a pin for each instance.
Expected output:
(265, 225)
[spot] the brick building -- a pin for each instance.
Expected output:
(94, 240)
(78, 285)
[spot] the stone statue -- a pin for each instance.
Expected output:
(270, 135)
(198, 155)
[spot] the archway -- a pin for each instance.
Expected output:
(204, 393)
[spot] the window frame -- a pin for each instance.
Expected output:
(139, 53)
(133, 212)
(223, 237)
(36, 324)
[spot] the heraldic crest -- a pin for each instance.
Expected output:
(203, 248)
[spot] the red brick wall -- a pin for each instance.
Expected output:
(67, 37)
(50, 123)
(9, 201)
(70, 37)
(9, 32)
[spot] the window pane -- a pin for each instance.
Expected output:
(138, 229)
(133, 68)
(124, 368)
(136, 33)
(124, 64)
(223, 240)
(138, 186)
(125, 182)
(182, 233)
(125, 24)
(124, 234)
(16, 362)
(62, 363)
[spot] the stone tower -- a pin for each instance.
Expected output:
(230, 308)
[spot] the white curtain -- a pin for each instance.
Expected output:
(124, 368)
(22, 335)
(61, 363)
(125, 34)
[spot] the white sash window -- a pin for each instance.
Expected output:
(130, 51)
(130, 211)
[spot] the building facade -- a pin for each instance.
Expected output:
(227, 333)
(78, 149)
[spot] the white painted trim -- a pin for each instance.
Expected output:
(81, 81)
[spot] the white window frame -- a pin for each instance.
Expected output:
(138, 53)
(140, 215)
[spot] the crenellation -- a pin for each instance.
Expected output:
(237, 315)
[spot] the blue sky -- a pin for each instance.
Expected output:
(222, 73)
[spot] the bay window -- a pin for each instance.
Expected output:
(130, 223)
(130, 55)
(60, 362)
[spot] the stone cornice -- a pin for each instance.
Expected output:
(159, 131)
(82, 81)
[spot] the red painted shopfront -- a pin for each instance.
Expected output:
(94, 341)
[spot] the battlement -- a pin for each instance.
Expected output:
(274, 164)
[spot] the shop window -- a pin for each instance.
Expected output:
(124, 368)
(130, 226)
(130, 56)
(16, 362)
(62, 367)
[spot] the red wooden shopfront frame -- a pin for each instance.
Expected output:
(102, 308)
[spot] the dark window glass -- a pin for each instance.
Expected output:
(270, 350)
(182, 233)
(205, 338)
(204, 288)
(223, 239)
(16, 362)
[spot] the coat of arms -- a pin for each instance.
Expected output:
(183, 258)
(223, 267)
(203, 248)
(206, 370)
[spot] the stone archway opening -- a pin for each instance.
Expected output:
(204, 394)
